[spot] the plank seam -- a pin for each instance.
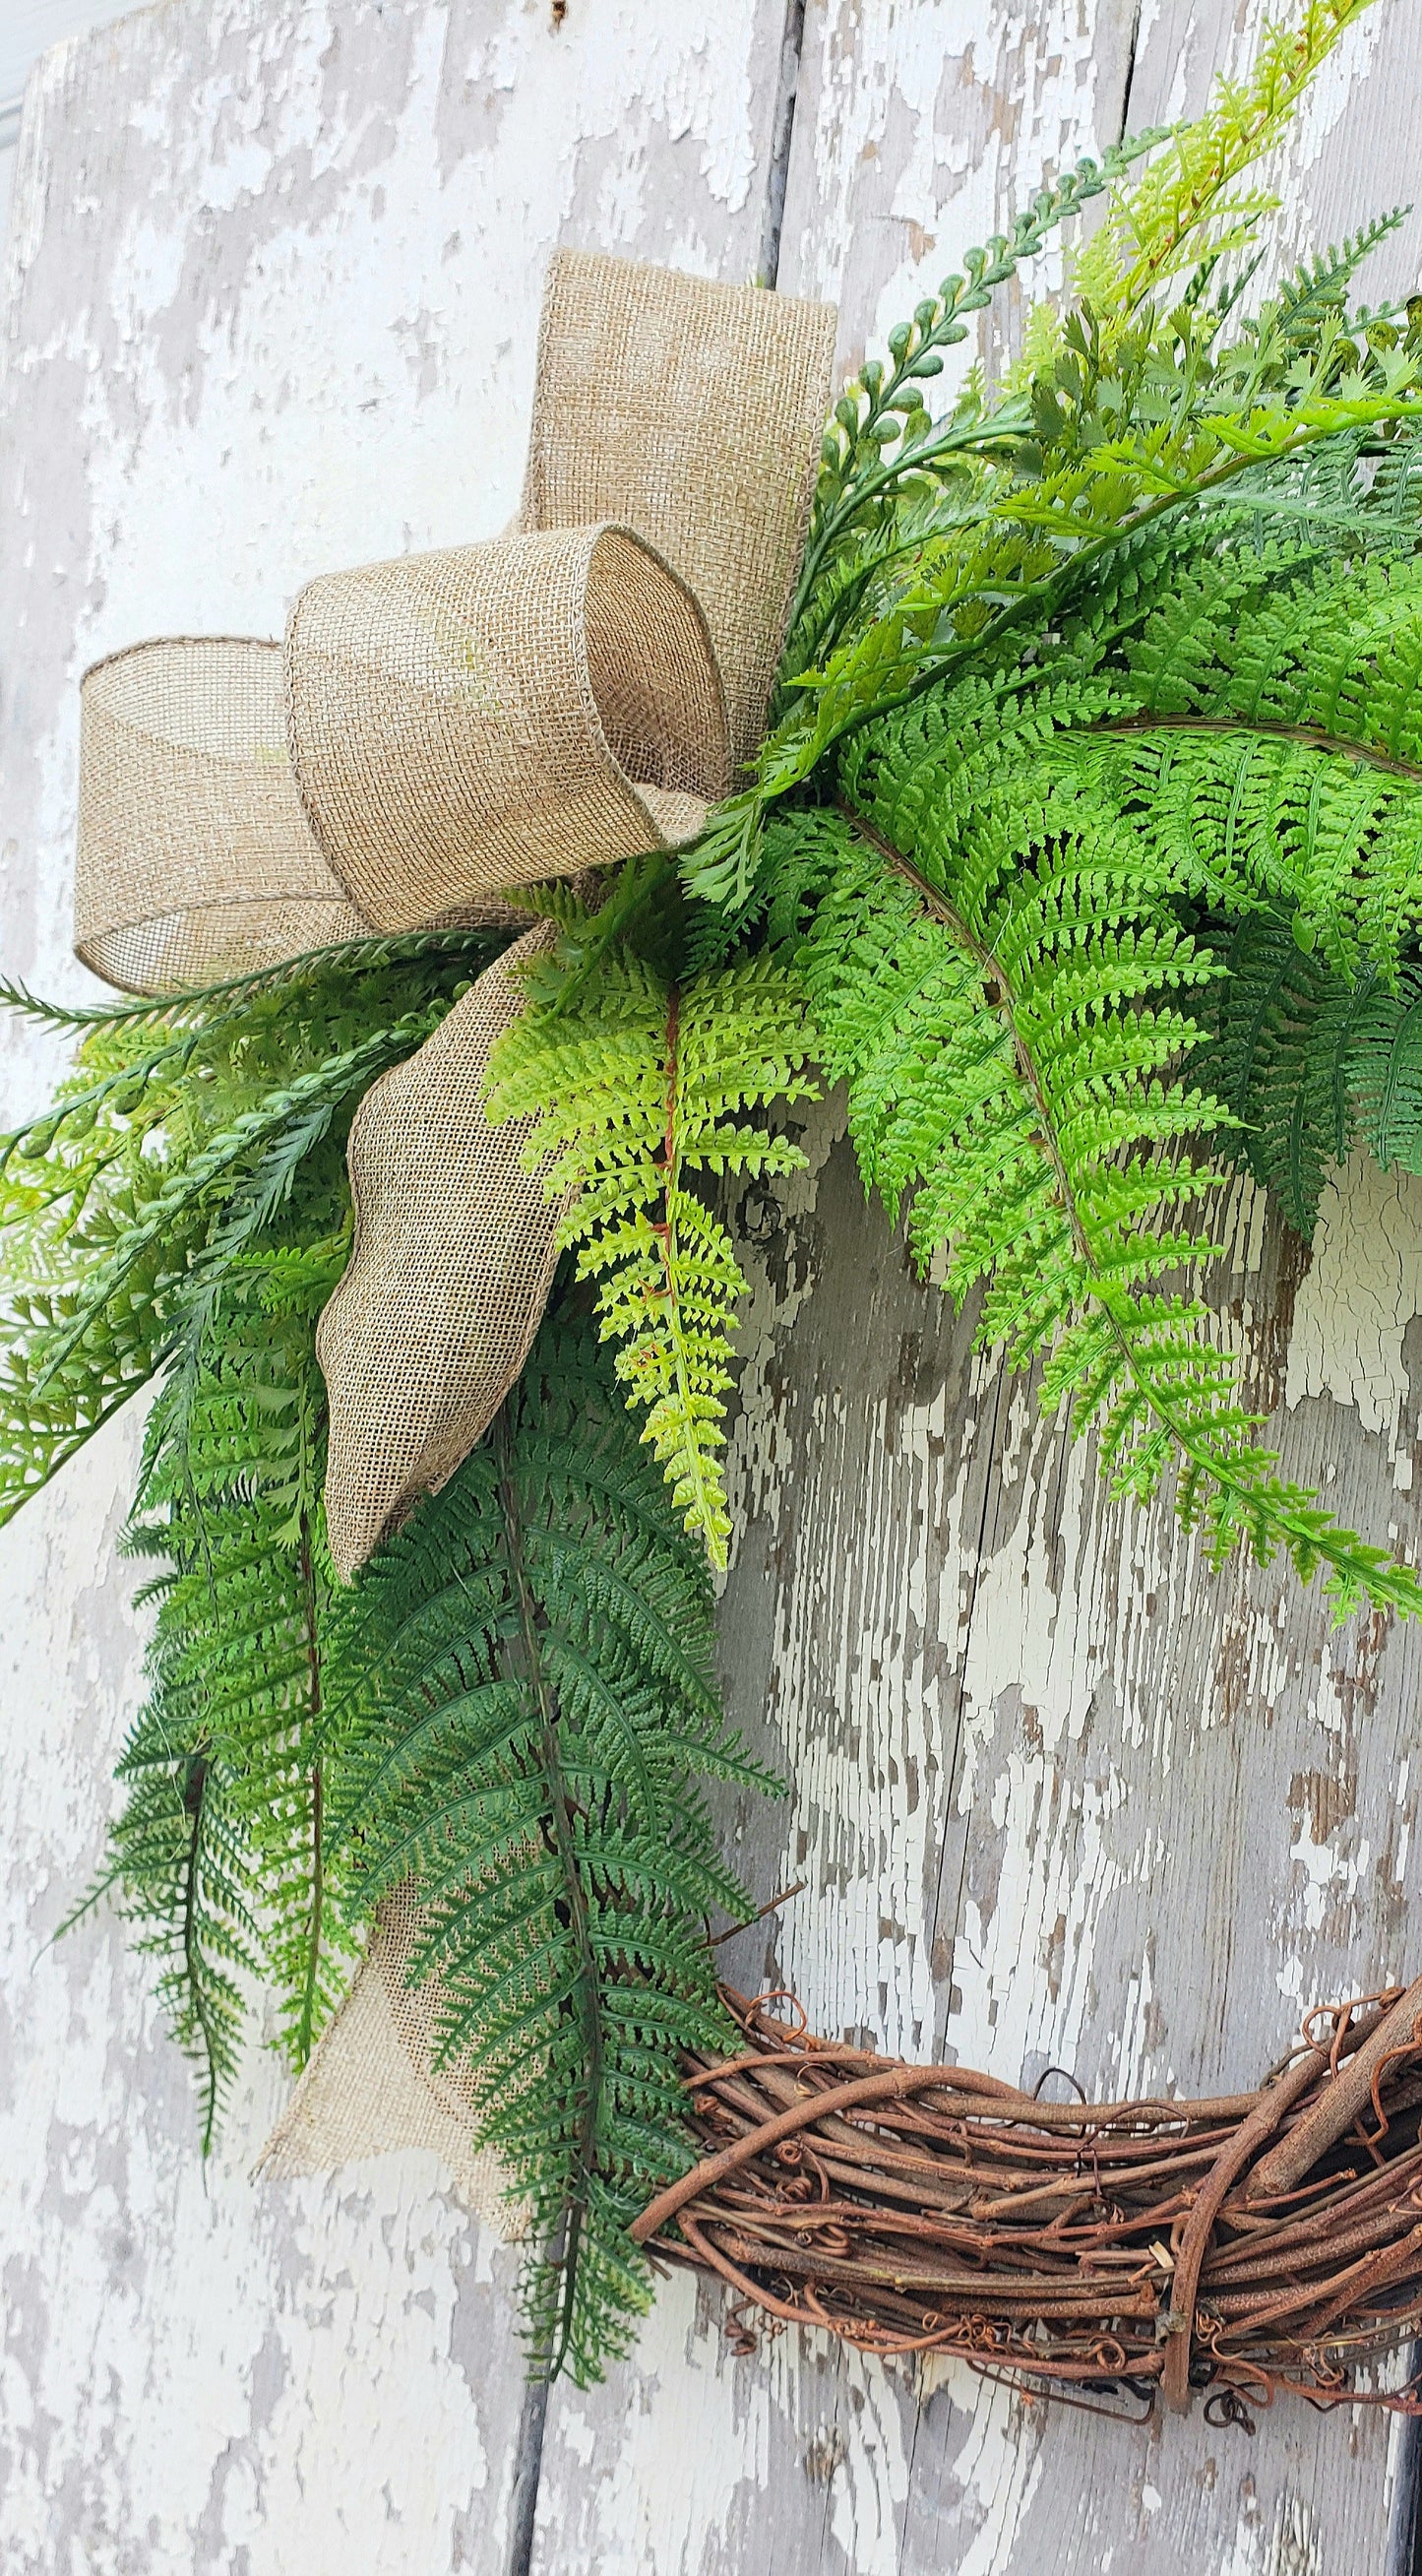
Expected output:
(528, 2455)
(782, 132)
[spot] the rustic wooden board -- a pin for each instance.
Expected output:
(1056, 1797)
(1059, 1797)
(274, 283)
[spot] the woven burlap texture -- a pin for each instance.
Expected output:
(372, 2085)
(444, 724)
(530, 708)
(486, 716)
(692, 412)
(195, 859)
(449, 1274)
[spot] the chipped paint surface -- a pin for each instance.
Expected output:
(922, 129)
(1354, 1308)
(273, 279)
(1058, 1798)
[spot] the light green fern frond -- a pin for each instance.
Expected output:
(1188, 205)
(639, 1085)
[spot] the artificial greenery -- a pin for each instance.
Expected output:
(1085, 847)
(523, 1680)
(1089, 823)
(186, 1201)
(642, 1084)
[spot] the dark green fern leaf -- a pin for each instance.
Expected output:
(1385, 1070)
(179, 1861)
(525, 1686)
(1283, 1031)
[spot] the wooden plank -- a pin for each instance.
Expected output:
(1060, 1797)
(920, 130)
(275, 273)
(863, 1466)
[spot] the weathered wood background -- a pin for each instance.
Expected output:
(273, 273)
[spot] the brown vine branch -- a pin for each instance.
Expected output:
(1068, 2245)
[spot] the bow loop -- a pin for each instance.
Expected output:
(691, 411)
(491, 715)
(446, 725)
(195, 859)
(487, 715)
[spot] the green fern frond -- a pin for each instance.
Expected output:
(230, 1505)
(1188, 203)
(526, 1688)
(189, 1123)
(1385, 1073)
(1137, 417)
(1001, 1011)
(179, 1862)
(638, 1085)
(881, 436)
(1283, 1034)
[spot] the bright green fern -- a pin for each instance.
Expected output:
(641, 1083)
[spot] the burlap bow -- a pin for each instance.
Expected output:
(440, 728)
(433, 731)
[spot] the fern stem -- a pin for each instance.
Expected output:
(1265, 1503)
(702, 1514)
(1312, 737)
(565, 2239)
(306, 2024)
(1007, 426)
(194, 1795)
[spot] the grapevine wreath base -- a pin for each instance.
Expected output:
(1228, 2248)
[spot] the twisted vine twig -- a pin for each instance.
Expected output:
(1242, 2245)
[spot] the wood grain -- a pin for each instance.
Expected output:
(1058, 1797)
(1061, 1797)
(274, 280)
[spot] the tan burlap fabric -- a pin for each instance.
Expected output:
(692, 412)
(372, 2085)
(448, 1277)
(194, 859)
(486, 716)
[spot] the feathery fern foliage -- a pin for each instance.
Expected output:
(524, 1681)
(641, 1083)
(1127, 416)
(1098, 745)
(184, 1206)
(188, 1124)
(222, 1848)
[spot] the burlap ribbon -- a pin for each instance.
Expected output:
(432, 732)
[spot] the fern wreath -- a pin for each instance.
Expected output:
(1085, 849)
